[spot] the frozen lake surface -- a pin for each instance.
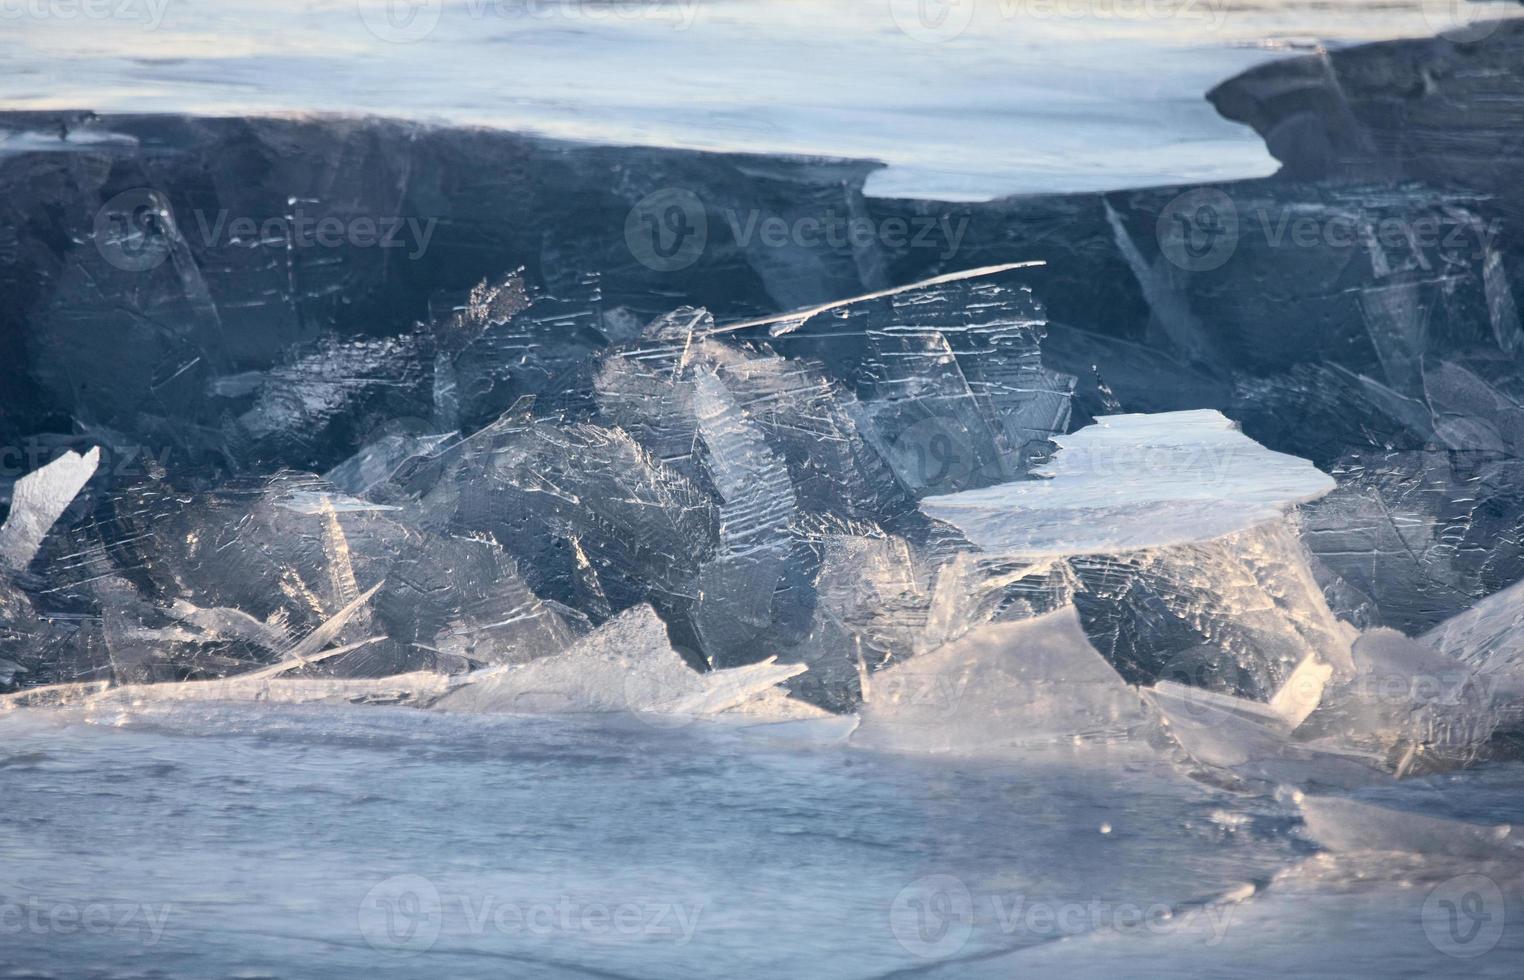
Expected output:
(276, 841)
(964, 99)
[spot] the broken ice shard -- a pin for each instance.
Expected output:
(379, 461)
(593, 520)
(626, 665)
(1489, 640)
(1419, 536)
(1250, 741)
(947, 376)
(1409, 708)
(1345, 824)
(1000, 687)
(1173, 524)
(288, 570)
(1136, 481)
(37, 501)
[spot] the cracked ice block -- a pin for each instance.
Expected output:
(998, 688)
(1135, 481)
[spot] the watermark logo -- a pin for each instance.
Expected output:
(400, 21)
(1462, 21)
(405, 915)
(934, 455)
(1213, 12)
(932, 21)
(667, 230)
(134, 229)
(932, 917)
(840, 231)
(122, 462)
(1463, 917)
(1395, 243)
(300, 229)
(940, 21)
(1198, 231)
(402, 916)
(405, 21)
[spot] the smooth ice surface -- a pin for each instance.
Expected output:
(1130, 482)
(294, 829)
(775, 855)
(952, 96)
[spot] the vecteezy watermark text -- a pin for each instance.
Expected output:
(138, 230)
(38, 916)
(403, 21)
(147, 12)
(934, 916)
(938, 21)
(302, 230)
(669, 229)
(127, 461)
(404, 915)
(1201, 230)
(941, 233)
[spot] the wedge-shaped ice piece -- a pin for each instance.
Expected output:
(1412, 708)
(1424, 534)
(222, 623)
(1135, 481)
(1251, 741)
(19, 625)
(323, 390)
(1488, 637)
(510, 341)
(1239, 613)
(379, 461)
(626, 665)
(998, 688)
(283, 546)
(949, 373)
(37, 501)
(871, 601)
(1343, 824)
(594, 520)
(464, 598)
(735, 591)
(809, 422)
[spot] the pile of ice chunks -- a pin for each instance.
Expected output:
(761, 500)
(872, 506)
